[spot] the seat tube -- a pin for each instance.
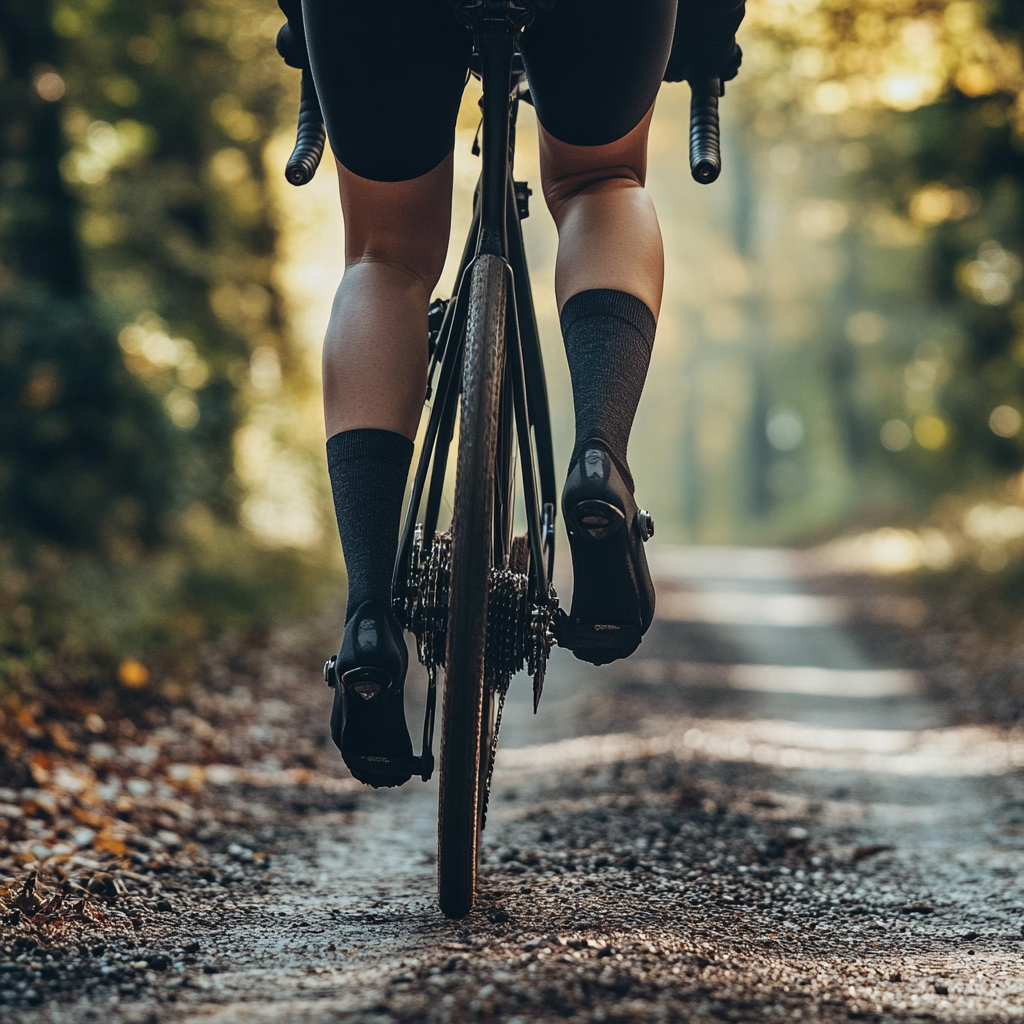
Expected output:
(495, 45)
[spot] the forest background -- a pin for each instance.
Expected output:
(841, 352)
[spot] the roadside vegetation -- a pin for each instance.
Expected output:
(141, 335)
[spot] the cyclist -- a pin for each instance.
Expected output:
(389, 75)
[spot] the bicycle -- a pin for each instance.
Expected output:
(479, 601)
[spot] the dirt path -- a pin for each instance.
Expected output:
(763, 815)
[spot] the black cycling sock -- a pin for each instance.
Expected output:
(608, 337)
(369, 469)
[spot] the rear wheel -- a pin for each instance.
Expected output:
(465, 736)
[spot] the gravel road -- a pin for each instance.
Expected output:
(765, 814)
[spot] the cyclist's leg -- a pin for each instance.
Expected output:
(609, 270)
(389, 77)
(595, 117)
(374, 375)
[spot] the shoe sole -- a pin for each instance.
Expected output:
(606, 593)
(362, 691)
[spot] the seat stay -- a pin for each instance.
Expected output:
(445, 395)
(514, 369)
(533, 364)
(442, 446)
(445, 333)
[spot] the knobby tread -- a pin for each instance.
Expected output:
(473, 510)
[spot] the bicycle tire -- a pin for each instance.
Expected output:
(460, 800)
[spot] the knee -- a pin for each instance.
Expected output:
(404, 267)
(401, 226)
(569, 173)
(561, 191)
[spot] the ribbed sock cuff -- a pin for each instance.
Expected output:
(609, 302)
(369, 443)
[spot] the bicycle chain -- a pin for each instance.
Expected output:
(492, 754)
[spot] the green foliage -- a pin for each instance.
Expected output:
(74, 616)
(88, 457)
(136, 254)
(940, 261)
(169, 104)
(883, 225)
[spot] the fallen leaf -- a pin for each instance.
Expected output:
(105, 842)
(61, 738)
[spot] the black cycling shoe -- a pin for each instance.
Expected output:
(612, 594)
(368, 719)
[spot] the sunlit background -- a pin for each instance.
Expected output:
(840, 356)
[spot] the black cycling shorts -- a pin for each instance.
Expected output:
(390, 74)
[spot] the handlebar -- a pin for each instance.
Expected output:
(705, 152)
(309, 142)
